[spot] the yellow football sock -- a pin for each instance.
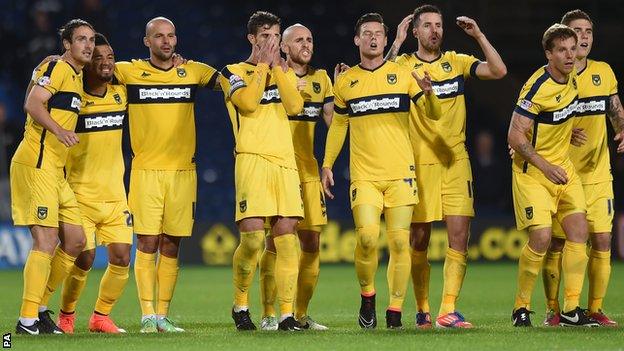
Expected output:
(286, 271)
(420, 279)
(399, 267)
(72, 288)
(454, 272)
(60, 267)
(145, 276)
(267, 283)
(551, 275)
(573, 264)
(36, 272)
(309, 268)
(111, 287)
(599, 271)
(167, 275)
(244, 264)
(529, 266)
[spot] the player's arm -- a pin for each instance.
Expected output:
(616, 116)
(35, 106)
(335, 140)
(517, 139)
(328, 111)
(246, 95)
(430, 106)
(400, 38)
(493, 67)
(328, 101)
(287, 87)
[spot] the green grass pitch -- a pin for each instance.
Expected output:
(202, 305)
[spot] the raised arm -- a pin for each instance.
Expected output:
(517, 139)
(400, 38)
(616, 116)
(493, 67)
(289, 94)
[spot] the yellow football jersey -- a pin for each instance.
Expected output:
(375, 104)
(95, 166)
(40, 148)
(318, 91)
(266, 130)
(552, 107)
(161, 111)
(443, 140)
(596, 84)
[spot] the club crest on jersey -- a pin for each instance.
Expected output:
(596, 79)
(181, 72)
(117, 99)
(242, 206)
(42, 212)
(392, 78)
(446, 67)
(529, 212)
(316, 86)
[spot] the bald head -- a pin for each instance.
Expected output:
(292, 31)
(156, 22)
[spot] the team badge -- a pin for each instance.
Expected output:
(42, 212)
(117, 98)
(316, 86)
(353, 194)
(249, 73)
(242, 206)
(529, 212)
(446, 67)
(596, 79)
(392, 78)
(181, 72)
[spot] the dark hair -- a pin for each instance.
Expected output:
(67, 31)
(574, 15)
(370, 17)
(259, 19)
(424, 9)
(557, 31)
(100, 39)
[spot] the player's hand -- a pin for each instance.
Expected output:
(469, 26)
(339, 69)
(402, 29)
(301, 84)
(49, 59)
(555, 174)
(424, 82)
(620, 137)
(511, 151)
(579, 137)
(178, 60)
(265, 52)
(327, 179)
(67, 137)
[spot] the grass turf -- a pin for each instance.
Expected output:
(202, 303)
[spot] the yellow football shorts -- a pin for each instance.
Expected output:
(384, 193)
(106, 223)
(163, 201)
(315, 211)
(42, 197)
(599, 198)
(265, 189)
(444, 190)
(537, 200)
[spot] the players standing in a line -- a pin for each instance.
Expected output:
(95, 170)
(163, 180)
(598, 98)
(372, 101)
(316, 88)
(443, 172)
(544, 182)
(40, 196)
(260, 94)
